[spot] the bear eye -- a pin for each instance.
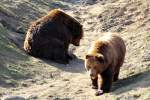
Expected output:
(88, 56)
(100, 59)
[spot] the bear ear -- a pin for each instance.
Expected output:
(88, 56)
(100, 58)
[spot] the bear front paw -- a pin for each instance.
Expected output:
(99, 92)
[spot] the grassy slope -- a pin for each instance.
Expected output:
(15, 65)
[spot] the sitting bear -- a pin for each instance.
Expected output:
(103, 61)
(49, 37)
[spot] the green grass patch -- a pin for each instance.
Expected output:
(6, 10)
(10, 59)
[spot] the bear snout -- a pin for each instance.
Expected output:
(92, 74)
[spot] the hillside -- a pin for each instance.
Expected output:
(36, 79)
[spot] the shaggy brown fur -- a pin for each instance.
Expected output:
(49, 37)
(105, 58)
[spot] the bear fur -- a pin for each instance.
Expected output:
(49, 37)
(103, 61)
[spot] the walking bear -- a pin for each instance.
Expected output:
(49, 37)
(103, 61)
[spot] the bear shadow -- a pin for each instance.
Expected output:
(140, 80)
(75, 65)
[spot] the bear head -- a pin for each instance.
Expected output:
(94, 64)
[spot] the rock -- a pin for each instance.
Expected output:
(89, 2)
(33, 97)
(13, 98)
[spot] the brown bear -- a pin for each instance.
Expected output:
(103, 61)
(49, 37)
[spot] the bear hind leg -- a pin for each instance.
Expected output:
(60, 57)
(61, 61)
(59, 52)
(116, 77)
(116, 74)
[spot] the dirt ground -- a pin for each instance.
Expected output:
(36, 79)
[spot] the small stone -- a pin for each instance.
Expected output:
(65, 79)
(24, 85)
